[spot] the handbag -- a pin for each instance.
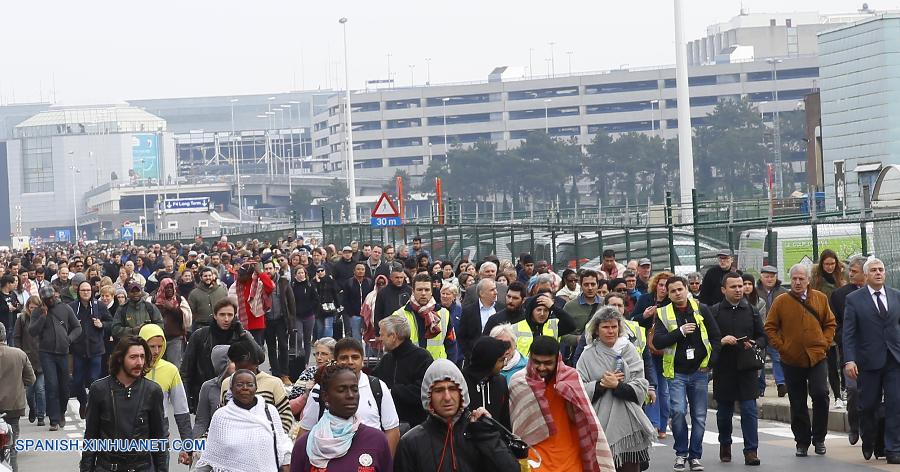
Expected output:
(516, 445)
(751, 359)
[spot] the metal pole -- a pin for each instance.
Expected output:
(237, 166)
(351, 166)
(779, 171)
(144, 192)
(670, 230)
(694, 211)
(685, 143)
(546, 116)
(74, 198)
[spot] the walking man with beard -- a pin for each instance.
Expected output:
(125, 405)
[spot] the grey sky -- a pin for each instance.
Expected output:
(103, 51)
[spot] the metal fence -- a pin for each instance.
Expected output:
(662, 234)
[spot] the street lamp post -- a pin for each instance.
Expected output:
(779, 177)
(427, 71)
(74, 198)
(547, 115)
(653, 104)
(552, 59)
(685, 139)
(569, 53)
(444, 112)
(237, 164)
(351, 165)
(144, 192)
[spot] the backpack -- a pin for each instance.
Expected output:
(377, 393)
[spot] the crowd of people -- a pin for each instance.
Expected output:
(388, 358)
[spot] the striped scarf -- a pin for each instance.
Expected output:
(532, 421)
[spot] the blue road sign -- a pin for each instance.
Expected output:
(386, 221)
(196, 203)
(126, 233)
(63, 235)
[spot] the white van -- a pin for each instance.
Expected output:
(793, 244)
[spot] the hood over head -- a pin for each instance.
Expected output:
(152, 330)
(443, 369)
(485, 353)
(220, 359)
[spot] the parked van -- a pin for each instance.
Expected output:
(793, 244)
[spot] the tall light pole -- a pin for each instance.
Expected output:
(444, 112)
(74, 198)
(351, 165)
(237, 164)
(569, 53)
(547, 115)
(144, 192)
(653, 103)
(552, 59)
(427, 71)
(530, 65)
(779, 176)
(685, 142)
(412, 77)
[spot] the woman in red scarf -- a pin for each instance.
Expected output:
(176, 315)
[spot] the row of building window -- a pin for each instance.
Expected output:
(617, 87)
(556, 112)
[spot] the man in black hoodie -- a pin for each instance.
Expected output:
(487, 388)
(403, 368)
(392, 297)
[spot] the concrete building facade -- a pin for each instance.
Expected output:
(860, 96)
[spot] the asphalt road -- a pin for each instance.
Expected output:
(776, 450)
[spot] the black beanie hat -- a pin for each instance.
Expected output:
(485, 353)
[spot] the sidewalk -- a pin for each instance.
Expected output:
(773, 408)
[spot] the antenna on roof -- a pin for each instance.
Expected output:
(743, 10)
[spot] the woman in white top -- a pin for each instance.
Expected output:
(246, 433)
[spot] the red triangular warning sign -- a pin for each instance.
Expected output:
(385, 207)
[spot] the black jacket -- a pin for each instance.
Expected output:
(327, 291)
(730, 384)
(662, 339)
(838, 301)
(90, 343)
(56, 330)
(501, 317)
(305, 299)
(470, 326)
(490, 392)
(423, 447)
(390, 299)
(355, 295)
(403, 370)
(196, 364)
(342, 272)
(115, 412)
(711, 287)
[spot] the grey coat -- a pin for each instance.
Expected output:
(56, 328)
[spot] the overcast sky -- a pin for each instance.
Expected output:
(104, 51)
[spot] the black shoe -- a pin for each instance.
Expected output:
(893, 459)
(819, 447)
(782, 390)
(31, 416)
(62, 422)
(867, 450)
(40, 421)
(853, 437)
(801, 451)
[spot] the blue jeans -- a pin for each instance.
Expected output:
(356, 327)
(777, 372)
(84, 372)
(749, 423)
(687, 389)
(35, 395)
(324, 327)
(658, 412)
(56, 382)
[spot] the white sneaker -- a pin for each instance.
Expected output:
(838, 404)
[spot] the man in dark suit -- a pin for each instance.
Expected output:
(487, 270)
(872, 354)
(475, 316)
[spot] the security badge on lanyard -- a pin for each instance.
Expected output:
(689, 353)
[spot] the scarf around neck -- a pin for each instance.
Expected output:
(628, 430)
(429, 316)
(330, 439)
